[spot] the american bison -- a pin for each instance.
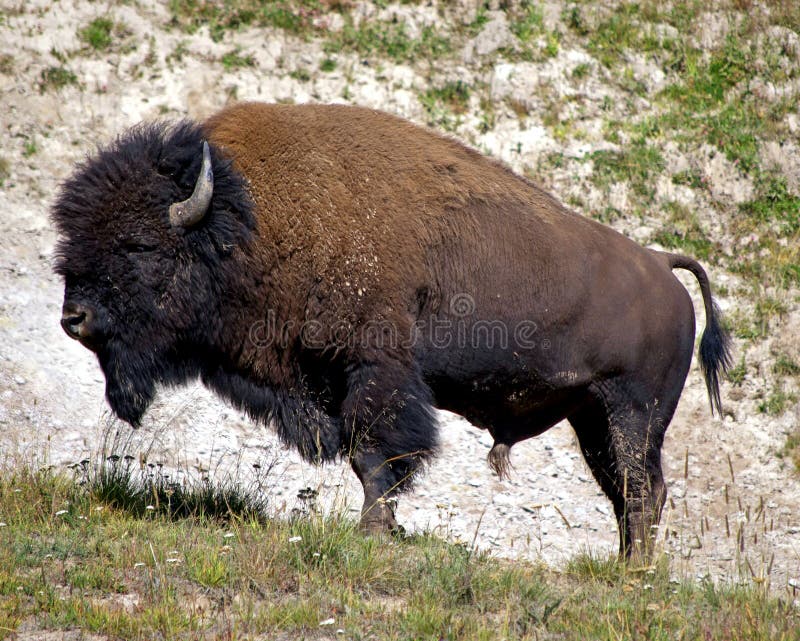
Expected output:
(339, 272)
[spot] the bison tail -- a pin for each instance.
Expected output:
(715, 344)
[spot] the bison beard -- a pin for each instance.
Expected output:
(176, 243)
(130, 382)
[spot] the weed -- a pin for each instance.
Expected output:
(737, 373)
(5, 170)
(6, 64)
(327, 65)
(581, 71)
(693, 178)
(528, 22)
(636, 164)
(300, 74)
(55, 78)
(29, 148)
(791, 448)
(683, 231)
(777, 402)
(481, 18)
(552, 43)
(97, 34)
(455, 95)
(774, 203)
(445, 105)
(785, 365)
(520, 109)
(375, 38)
(613, 36)
(235, 60)
(488, 115)
(294, 16)
(756, 325)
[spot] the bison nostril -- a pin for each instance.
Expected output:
(75, 321)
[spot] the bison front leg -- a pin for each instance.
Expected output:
(377, 513)
(392, 431)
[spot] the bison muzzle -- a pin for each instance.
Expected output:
(338, 273)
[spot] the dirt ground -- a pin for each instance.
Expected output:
(734, 508)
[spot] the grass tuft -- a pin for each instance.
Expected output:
(55, 78)
(97, 34)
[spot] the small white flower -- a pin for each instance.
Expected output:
(149, 507)
(99, 508)
(228, 535)
(295, 539)
(173, 560)
(138, 565)
(2, 524)
(61, 512)
(330, 621)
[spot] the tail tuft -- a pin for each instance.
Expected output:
(715, 356)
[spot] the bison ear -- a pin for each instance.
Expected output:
(189, 212)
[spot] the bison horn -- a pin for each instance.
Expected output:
(191, 211)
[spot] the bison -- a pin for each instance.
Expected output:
(339, 272)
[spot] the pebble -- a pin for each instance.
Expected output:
(19, 380)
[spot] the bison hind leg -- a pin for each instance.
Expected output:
(621, 442)
(499, 460)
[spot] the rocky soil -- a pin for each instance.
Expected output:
(734, 511)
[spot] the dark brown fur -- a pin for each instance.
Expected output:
(362, 219)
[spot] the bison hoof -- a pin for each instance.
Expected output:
(379, 520)
(377, 527)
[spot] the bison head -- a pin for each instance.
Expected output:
(150, 230)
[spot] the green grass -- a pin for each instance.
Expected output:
(528, 21)
(791, 449)
(301, 74)
(293, 16)
(445, 105)
(235, 60)
(683, 231)
(30, 147)
(55, 78)
(5, 170)
(71, 560)
(777, 401)
(638, 164)
(6, 64)
(97, 34)
(785, 365)
(390, 40)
